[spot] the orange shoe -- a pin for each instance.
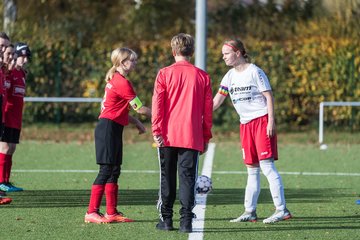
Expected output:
(95, 217)
(118, 218)
(5, 200)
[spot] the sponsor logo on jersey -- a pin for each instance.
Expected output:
(109, 86)
(239, 89)
(19, 91)
(264, 153)
(241, 99)
(7, 84)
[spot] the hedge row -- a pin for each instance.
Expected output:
(303, 72)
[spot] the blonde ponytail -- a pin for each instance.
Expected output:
(110, 73)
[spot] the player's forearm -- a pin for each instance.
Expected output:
(270, 106)
(217, 101)
(144, 111)
(133, 120)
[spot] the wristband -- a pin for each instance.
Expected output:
(136, 104)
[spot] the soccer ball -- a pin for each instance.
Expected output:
(203, 184)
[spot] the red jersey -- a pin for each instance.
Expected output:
(2, 79)
(182, 106)
(2, 107)
(115, 105)
(14, 103)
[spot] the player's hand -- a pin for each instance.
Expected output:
(159, 140)
(270, 130)
(141, 128)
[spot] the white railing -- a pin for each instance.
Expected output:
(88, 100)
(61, 99)
(321, 117)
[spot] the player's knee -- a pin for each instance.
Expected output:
(104, 174)
(4, 148)
(268, 168)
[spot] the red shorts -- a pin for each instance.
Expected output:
(256, 145)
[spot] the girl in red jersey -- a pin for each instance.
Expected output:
(4, 43)
(119, 96)
(14, 86)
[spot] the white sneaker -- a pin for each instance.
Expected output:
(246, 217)
(278, 216)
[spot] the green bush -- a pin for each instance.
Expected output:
(309, 54)
(303, 72)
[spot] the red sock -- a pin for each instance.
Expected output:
(8, 165)
(111, 193)
(2, 167)
(97, 192)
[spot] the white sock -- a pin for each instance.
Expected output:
(252, 190)
(276, 186)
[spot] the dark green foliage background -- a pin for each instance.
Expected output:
(309, 51)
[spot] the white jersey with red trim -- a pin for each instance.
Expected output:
(245, 89)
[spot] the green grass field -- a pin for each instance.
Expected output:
(54, 203)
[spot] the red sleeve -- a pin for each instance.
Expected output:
(208, 111)
(125, 89)
(157, 109)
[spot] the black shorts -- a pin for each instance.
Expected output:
(108, 142)
(11, 135)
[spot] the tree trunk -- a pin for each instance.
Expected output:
(10, 12)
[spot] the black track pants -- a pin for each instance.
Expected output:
(184, 161)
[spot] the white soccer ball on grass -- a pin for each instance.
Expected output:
(203, 185)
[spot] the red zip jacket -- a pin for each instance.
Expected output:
(182, 106)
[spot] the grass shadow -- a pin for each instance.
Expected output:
(77, 198)
(318, 195)
(80, 198)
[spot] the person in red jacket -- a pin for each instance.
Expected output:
(13, 107)
(181, 127)
(119, 96)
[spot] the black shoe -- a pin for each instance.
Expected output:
(166, 225)
(186, 226)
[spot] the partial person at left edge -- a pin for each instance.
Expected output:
(14, 86)
(4, 43)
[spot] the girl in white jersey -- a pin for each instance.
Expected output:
(251, 95)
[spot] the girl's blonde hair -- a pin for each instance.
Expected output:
(118, 56)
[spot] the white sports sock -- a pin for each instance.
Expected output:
(276, 186)
(252, 190)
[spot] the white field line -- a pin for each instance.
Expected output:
(200, 208)
(157, 172)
